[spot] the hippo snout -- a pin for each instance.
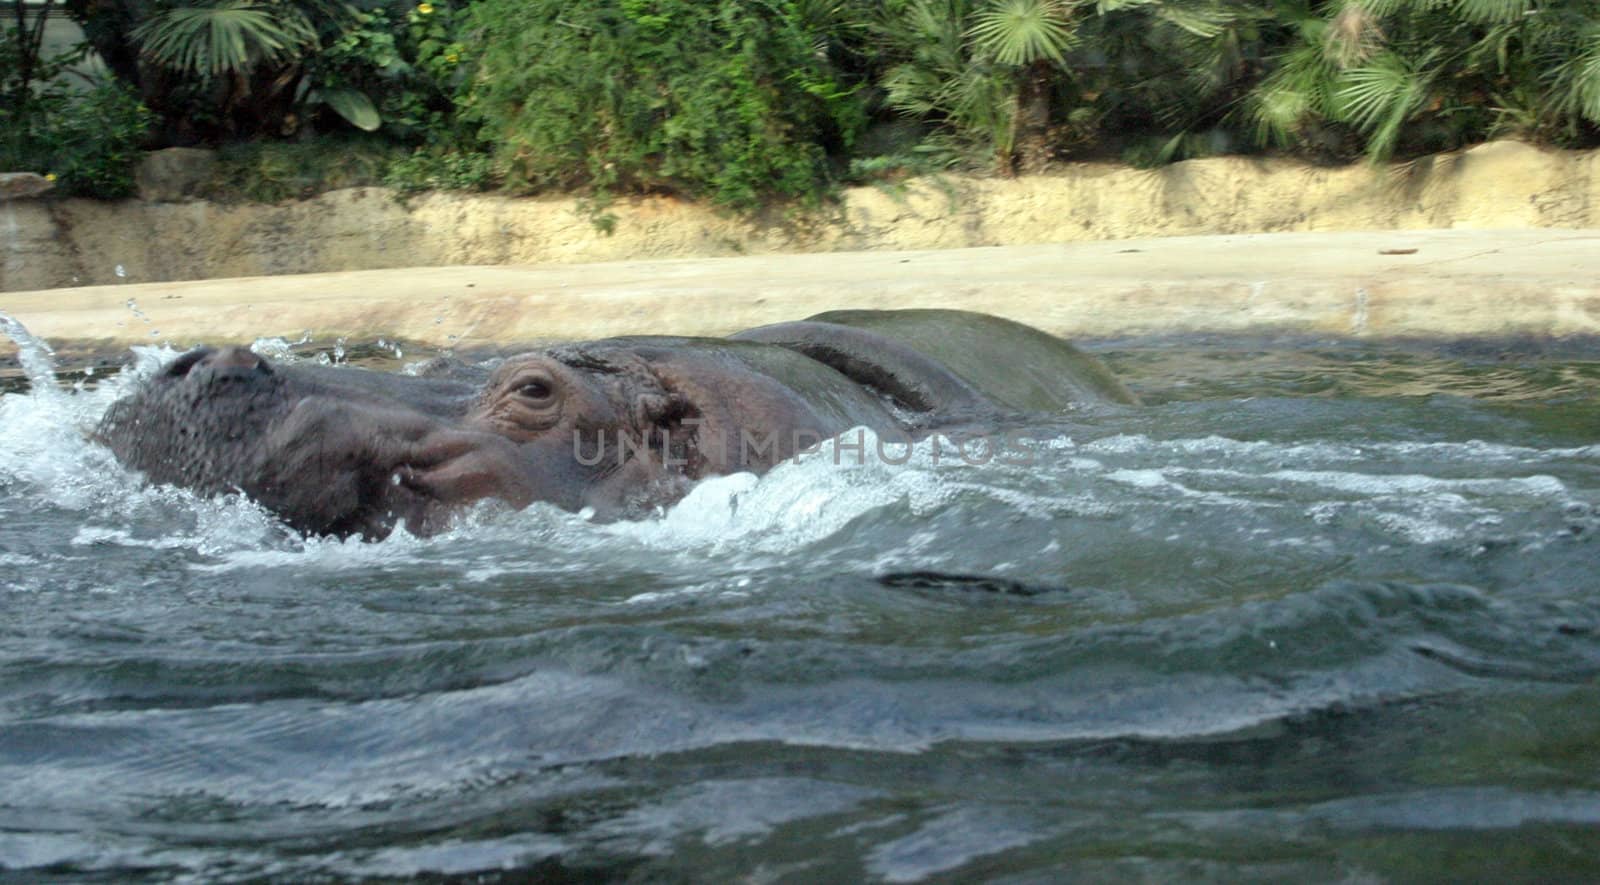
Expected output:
(331, 450)
(337, 467)
(207, 364)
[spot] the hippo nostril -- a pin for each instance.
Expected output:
(180, 367)
(207, 364)
(237, 359)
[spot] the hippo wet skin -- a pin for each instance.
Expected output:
(619, 426)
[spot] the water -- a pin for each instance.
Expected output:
(1317, 611)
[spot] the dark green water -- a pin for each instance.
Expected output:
(1315, 612)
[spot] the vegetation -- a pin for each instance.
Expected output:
(84, 134)
(725, 100)
(740, 102)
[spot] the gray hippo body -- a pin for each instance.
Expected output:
(619, 426)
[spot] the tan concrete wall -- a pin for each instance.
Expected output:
(1451, 283)
(52, 243)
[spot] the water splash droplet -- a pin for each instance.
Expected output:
(34, 354)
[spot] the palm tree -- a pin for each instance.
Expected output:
(931, 75)
(1434, 74)
(1032, 37)
(259, 49)
(994, 73)
(1163, 79)
(232, 37)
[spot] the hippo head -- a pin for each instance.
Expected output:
(343, 451)
(620, 426)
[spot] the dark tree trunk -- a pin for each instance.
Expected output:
(1032, 124)
(106, 24)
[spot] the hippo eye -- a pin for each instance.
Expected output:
(534, 390)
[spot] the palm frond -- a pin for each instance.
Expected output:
(1354, 34)
(233, 36)
(1575, 84)
(1019, 32)
(1204, 20)
(1492, 12)
(1301, 89)
(1380, 97)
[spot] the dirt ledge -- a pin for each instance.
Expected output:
(1443, 284)
(48, 243)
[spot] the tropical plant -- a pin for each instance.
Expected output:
(1423, 75)
(252, 57)
(1030, 37)
(1163, 80)
(229, 37)
(934, 76)
(81, 132)
(717, 99)
(229, 69)
(1022, 78)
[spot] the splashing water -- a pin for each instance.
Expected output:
(1311, 613)
(35, 356)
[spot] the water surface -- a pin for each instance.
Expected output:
(1316, 611)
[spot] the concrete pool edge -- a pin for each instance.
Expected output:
(1435, 284)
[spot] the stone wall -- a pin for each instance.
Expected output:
(47, 243)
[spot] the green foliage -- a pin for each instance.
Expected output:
(401, 70)
(225, 70)
(738, 102)
(1163, 79)
(231, 37)
(937, 77)
(430, 169)
(1029, 77)
(271, 171)
(86, 137)
(1021, 32)
(94, 141)
(1420, 75)
(715, 99)
(89, 141)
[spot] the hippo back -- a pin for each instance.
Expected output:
(951, 362)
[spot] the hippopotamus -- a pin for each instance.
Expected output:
(614, 428)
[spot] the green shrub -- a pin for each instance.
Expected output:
(89, 141)
(270, 171)
(427, 169)
(716, 99)
(86, 139)
(95, 142)
(1419, 76)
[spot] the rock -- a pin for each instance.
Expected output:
(22, 185)
(175, 174)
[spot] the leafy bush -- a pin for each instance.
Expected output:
(427, 169)
(1429, 75)
(92, 140)
(86, 139)
(399, 68)
(270, 171)
(717, 99)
